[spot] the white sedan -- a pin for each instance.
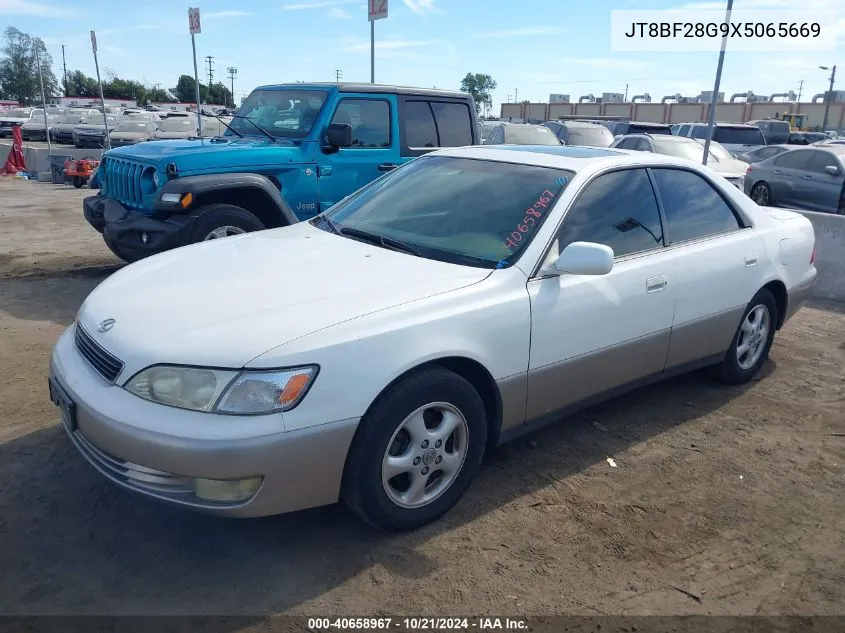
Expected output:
(374, 353)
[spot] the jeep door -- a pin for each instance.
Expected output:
(374, 148)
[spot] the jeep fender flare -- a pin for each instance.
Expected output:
(201, 186)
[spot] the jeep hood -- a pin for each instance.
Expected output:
(210, 155)
(225, 302)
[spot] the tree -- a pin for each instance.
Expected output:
(19, 71)
(81, 85)
(186, 90)
(159, 95)
(479, 86)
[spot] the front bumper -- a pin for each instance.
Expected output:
(126, 228)
(300, 469)
(89, 141)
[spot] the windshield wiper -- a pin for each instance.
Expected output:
(330, 224)
(385, 242)
(229, 127)
(261, 129)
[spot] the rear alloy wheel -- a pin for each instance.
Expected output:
(761, 193)
(416, 451)
(216, 221)
(752, 341)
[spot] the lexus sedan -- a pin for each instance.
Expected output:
(455, 303)
(520, 134)
(92, 133)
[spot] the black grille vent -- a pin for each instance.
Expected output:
(106, 365)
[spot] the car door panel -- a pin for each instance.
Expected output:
(593, 334)
(826, 189)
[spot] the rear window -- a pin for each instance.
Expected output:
(530, 135)
(598, 136)
(737, 135)
(648, 129)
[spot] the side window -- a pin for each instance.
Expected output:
(628, 143)
(693, 207)
(820, 160)
(453, 123)
(644, 146)
(370, 120)
(617, 209)
(794, 160)
(699, 131)
(684, 130)
(418, 122)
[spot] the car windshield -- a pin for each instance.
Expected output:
(178, 124)
(648, 129)
(283, 113)
(739, 135)
(530, 135)
(598, 136)
(14, 114)
(133, 126)
(72, 119)
(459, 210)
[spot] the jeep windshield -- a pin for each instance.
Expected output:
(283, 113)
(465, 211)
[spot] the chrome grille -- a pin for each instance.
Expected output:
(131, 474)
(107, 365)
(123, 181)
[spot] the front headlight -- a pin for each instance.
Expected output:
(223, 391)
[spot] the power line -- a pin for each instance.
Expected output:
(232, 72)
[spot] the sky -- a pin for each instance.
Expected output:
(531, 48)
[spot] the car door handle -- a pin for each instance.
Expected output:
(776, 171)
(387, 166)
(750, 260)
(655, 284)
(806, 177)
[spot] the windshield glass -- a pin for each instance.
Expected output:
(283, 113)
(648, 129)
(598, 136)
(459, 210)
(178, 124)
(14, 114)
(73, 119)
(739, 135)
(690, 149)
(133, 126)
(530, 135)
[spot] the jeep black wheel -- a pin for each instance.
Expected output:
(222, 220)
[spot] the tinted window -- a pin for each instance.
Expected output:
(699, 131)
(820, 160)
(419, 124)
(643, 145)
(627, 143)
(557, 128)
(453, 123)
(370, 121)
(530, 135)
(649, 129)
(617, 209)
(739, 135)
(684, 130)
(794, 160)
(593, 136)
(462, 210)
(693, 207)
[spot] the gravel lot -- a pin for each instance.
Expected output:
(724, 501)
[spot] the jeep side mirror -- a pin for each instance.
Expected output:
(339, 135)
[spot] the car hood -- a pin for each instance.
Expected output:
(740, 147)
(212, 154)
(222, 303)
(731, 167)
(90, 128)
(128, 136)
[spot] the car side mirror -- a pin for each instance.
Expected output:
(833, 170)
(339, 135)
(584, 258)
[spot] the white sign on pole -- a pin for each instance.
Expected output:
(93, 41)
(377, 10)
(194, 20)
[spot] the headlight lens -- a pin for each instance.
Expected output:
(222, 391)
(155, 178)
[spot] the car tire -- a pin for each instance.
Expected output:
(223, 220)
(428, 397)
(763, 195)
(752, 341)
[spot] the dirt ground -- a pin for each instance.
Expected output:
(724, 501)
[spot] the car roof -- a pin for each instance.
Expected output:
(367, 88)
(571, 157)
(645, 123)
(577, 123)
(836, 148)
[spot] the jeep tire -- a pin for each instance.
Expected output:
(219, 220)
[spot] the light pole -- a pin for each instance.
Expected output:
(711, 114)
(829, 96)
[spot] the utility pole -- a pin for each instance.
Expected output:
(210, 60)
(232, 72)
(64, 67)
(625, 99)
(515, 95)
(338, 75)
(800, 90)
(829, 96)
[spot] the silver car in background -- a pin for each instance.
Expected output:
(521, 134)
(131, 131)
(811, 178)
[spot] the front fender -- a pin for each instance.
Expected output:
(209, 183)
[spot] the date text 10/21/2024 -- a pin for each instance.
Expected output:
(533, 213)
(486, 623)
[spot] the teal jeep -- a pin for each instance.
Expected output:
(290, 153)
